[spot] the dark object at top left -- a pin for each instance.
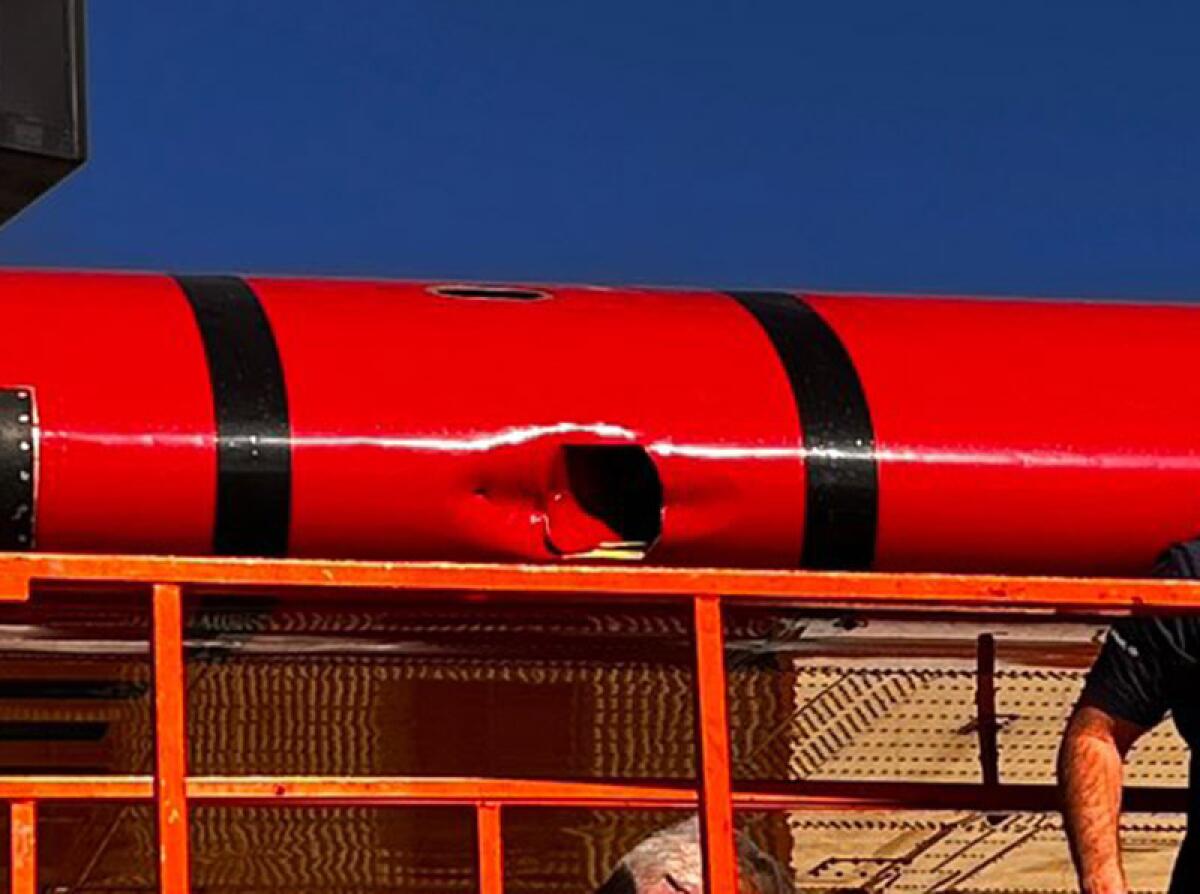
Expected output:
(42, 115)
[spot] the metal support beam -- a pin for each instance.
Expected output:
(985, 709)
(170, 728)
(23, 847)
(712, 731)
(491, 848)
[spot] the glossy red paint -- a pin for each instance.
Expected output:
(428, 426)
(126, 452)
(1010, 436)
(1027, 436)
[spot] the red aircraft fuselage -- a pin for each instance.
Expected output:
(409, 420)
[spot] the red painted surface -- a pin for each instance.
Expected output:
(117, 368)
(1023, 436)
(456, 409)
(1012, 436)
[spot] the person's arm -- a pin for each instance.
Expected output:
(1090, 771)
(1130, 689)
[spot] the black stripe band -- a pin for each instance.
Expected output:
(254, 460)
(842, 491)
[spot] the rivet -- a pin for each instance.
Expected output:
(25, 476)
(24, 417)
(25, 445)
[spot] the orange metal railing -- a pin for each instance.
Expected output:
(172, 789)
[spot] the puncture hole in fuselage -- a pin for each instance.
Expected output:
(608, 502)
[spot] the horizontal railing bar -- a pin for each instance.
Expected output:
(76, 788)
(364, 790)
(925, 796)
(401, 790)
(19, 570)
(509, 792)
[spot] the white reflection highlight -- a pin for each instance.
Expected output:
(725, 451)
(480, 443)
(1005, 458)
(516, 436)
(477, 443)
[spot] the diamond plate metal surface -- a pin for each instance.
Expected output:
(895, 701)
(962, 853)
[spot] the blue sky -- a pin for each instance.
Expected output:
(1018, 147)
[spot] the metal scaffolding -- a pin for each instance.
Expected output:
(709, 591)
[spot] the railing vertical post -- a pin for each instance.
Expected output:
(170, 781)
(22, 833)
(712, 733)
(491, 848)
(985, 708)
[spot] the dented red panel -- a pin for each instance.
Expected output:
(430, 426)
(403, 420)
